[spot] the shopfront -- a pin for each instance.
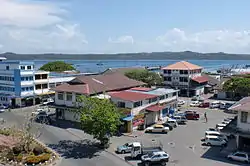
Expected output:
(138, 121)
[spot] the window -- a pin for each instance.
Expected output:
(23, 89)
(69, 96)
(243, 117)
(37, 77)
(29, 67)
(167, 78)
(153, 100)
(181, 72)
(174, 94)
(22, 67)
(137, 104)
(52, 85)
(7, 67)
(39, 86)
(60, 96)
(162, 97)
(44, 76)
(44, 86)
(121, 104)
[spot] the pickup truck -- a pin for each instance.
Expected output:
(138, 149)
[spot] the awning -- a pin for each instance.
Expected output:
(200, 79)
(128, 118)
(155, 108)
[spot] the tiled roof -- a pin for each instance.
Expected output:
(144, 89)
(122, 70)
(211, 80)
(242, 105)
(99, 83)
(182, 65)
(155, 108)
(200, 79)
(131, 96)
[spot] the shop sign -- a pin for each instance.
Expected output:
(138, 120)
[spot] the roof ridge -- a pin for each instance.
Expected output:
(183, 62)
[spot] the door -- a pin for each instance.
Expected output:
(129, 147)
(155, 158)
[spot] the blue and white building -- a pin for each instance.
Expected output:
(21, 84)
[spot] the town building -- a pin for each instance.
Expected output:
(146, 106)
(186, 77)
(21, 84)
(240, 126)
(91, 86)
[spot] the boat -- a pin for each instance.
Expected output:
(99, 64)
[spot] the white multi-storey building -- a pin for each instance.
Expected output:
(21, 84)
(186, 77)
(240, 127)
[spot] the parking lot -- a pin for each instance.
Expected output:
(183, 144)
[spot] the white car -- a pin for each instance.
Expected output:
(215, 104)
(172, 122)
(239, 156)
(181, 102)
(48, 101)
(212, 129)
(194, 104)
(220, 126)
(180, 119)
(157, 129)
(214, 141)
(216, 133)
(2, 109)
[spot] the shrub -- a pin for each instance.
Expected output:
(38, 150)
(19, 158)
(5, 132)
(32, 160)
(17, 149)
(10, 156)
(37, 159)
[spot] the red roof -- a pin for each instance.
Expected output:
(131, 96)
(182, 65)
(200, 79)
(144, 89)
(155, 108)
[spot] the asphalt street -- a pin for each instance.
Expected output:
(75, 150)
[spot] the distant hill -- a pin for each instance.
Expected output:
(186, 55)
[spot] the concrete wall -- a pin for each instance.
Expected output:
(243, 126)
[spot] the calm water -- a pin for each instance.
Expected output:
(91, 65)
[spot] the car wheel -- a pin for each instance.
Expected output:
(147, 163)
(123, 151)
(163, 162)
(246, 161)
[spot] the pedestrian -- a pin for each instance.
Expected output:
(205, 116)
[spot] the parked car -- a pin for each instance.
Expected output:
(194, 104)
(159, 157)
(157, 129)
(192, 115)
(212, 129)
(48, 101)
(214, 141)
(214, 104)
(168, 125)
(216, 133)
(4, 106)
(126, 148)
(44, 119)
(180, 119)
(204, 105)
(239, 156)
(181, 102)
(221, 126)
(2, 109)
(172, 122)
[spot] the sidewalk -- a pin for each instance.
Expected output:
(231, 147)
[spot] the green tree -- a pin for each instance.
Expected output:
(151, 78)
(57, 66)
(239, 85)
(99, 117)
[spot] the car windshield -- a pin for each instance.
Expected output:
(150, 155)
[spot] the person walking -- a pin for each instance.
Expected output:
(205, 116)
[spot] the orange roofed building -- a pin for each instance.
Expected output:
(186, 77)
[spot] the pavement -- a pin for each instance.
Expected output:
(183, 143)
(74, 146)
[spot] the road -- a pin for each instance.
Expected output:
(75, 150)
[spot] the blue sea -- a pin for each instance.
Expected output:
(90, 66)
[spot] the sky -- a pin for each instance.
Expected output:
(121, 26)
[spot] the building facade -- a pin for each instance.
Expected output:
(186, 77)
(240, 127)
(146, 106)
(21, 84)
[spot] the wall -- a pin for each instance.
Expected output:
(243, 126)
(221, 95)
(65, 102)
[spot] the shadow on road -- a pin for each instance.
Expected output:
(76, 149)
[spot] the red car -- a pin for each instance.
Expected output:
(204, 105)
(192, 115)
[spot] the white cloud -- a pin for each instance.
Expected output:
(32, 27)
(122, 39)
(29, 14)
(205, 41)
